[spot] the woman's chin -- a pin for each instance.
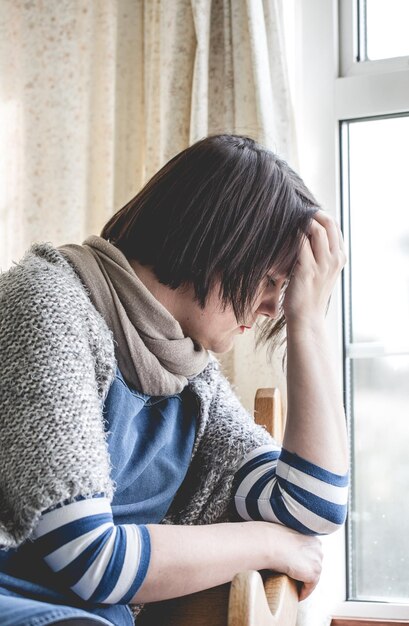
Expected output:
(221, 346)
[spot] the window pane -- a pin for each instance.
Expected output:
(377, 162)
(379, 225)
(380, 512)
(387, 28)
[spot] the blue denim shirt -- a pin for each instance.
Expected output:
(150, 442)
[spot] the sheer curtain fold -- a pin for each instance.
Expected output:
(240, 82)
(201, 10)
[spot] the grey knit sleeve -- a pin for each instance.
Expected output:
(56, 364)
(226, 434)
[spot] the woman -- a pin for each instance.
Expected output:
(125, 456)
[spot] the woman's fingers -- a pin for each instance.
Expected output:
(318, 266)
(306, 590)
(327, 240)
(330, 227)
(341, 241)
(306, 252)
(319, 242)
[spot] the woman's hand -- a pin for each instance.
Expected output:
(319, 264)
(299, 556)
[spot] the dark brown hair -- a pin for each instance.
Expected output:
(223, 209)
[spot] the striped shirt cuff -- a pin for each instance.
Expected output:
(101, 562)
(275, 485)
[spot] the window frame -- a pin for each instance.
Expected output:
(350, 49)
(333, 87)
(381, 609)
(366, 88)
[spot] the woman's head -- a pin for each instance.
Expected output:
(223, 214)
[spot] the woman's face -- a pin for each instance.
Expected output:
(215, 328)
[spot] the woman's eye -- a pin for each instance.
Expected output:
(271, 281)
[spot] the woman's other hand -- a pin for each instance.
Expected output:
(318, 266)
(299, 556)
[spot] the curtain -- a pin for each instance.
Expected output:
(96, 96)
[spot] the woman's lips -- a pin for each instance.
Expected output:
(242, 328)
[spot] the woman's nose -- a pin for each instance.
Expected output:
(269, 307)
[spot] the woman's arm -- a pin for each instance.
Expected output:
(304, 484)
(315, 426)
(57, 362)
(101, 562)
(186, 559)
(278, 486)
(106, 563)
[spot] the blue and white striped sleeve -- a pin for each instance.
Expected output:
(101, 562)
(275, 485)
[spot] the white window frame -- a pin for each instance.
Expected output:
(330, 87)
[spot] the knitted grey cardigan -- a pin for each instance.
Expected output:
(57, 363)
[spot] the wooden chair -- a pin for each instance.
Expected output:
(252, 598)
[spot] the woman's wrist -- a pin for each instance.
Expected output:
(275, 543)
(306, 325)
(265, 539)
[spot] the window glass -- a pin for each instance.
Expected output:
(376, 207)
(379, 226)
(386, 26)
(379, 556)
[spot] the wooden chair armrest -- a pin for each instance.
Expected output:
(252, 599)
(268, 411)
(204, 608)
(262, 600)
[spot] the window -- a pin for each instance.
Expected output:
(372, 107)
(382, 29)
(375, 159)
(352, 114)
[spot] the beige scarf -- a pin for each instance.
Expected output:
(152, 353)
